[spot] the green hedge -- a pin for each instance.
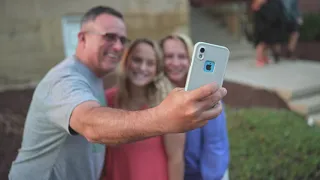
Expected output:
(310, 30)
(272, 144)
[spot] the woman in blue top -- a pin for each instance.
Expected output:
(206, 148)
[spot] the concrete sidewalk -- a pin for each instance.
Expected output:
(292, 75)
(297, 82)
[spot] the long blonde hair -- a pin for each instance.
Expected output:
(186, 40)
(124, 95)
(188, 44)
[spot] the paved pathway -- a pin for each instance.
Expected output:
(297, 82)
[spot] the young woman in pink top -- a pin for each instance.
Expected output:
(141, 85)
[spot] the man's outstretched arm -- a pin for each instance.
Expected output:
(113, 126)
(73, 106)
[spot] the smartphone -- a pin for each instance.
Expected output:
(208, 64)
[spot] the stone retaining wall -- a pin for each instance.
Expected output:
(31, 38)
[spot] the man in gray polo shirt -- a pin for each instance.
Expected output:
(68, 122)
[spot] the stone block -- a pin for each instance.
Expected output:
(48, 8)
(35, 66)
(135, 7)
(2, 8)
(134, 21)
(51, 34)
(20, 36)
(13, 25)
(20, 8)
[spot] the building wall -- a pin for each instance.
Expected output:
(31, 30)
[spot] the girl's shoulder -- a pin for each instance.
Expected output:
(164, 85)
(163, 88)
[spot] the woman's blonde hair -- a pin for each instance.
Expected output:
(163, 84)
(186, 40)
(166, 85)
(124, 95)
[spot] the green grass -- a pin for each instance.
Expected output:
(272, 144)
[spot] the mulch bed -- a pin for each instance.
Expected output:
(13, 109)
(14, 106)
(243, 96)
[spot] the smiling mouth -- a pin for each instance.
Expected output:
(140, 76)
(111, 55)
(176, 72)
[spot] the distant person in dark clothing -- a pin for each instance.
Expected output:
(294, 21)
(269, 29)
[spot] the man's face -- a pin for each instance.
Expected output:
(104, 41)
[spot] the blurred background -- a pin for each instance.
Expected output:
(273, 112)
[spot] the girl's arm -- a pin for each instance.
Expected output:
(174, 143)
(174, 146)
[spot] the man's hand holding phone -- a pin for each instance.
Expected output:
(186, 110)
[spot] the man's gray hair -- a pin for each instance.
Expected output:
(94, 12)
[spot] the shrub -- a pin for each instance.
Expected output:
(310, 30)
(272, 144)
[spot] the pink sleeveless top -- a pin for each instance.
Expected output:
(141, 160)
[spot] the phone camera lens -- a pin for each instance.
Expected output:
(200, 55)
(202, 50)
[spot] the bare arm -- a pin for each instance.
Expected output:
(113, 126)
(174, 144)
(73, 107)
(295, 9)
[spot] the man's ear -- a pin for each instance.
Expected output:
(81, 36)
